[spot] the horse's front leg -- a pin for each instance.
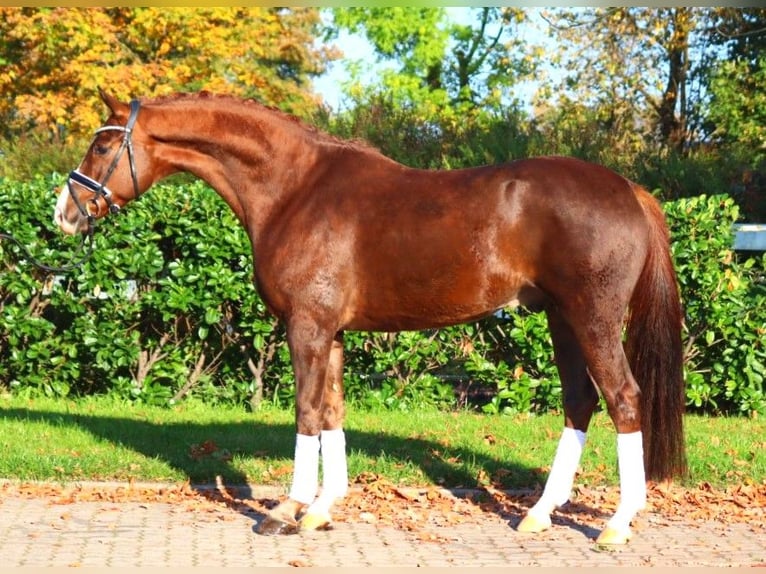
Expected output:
(317, 364)
(332, 442)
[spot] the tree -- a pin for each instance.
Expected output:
(53, 59)
(489, 58)
(442, 68)
(742, 31)
(735, 109)
(631, 63)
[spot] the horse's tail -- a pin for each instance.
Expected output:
(655, 352)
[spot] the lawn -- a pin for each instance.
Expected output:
(100, 439)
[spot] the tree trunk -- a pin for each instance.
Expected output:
(672, 108)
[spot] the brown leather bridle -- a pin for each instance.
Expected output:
(99, 188)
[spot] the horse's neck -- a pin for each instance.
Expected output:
(251, 158)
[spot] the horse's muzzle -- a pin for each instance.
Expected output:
(69, 220)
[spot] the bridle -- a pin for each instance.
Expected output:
(99, 188)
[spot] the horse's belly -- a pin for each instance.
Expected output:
(438, 310)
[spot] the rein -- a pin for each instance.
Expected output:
(74, 263)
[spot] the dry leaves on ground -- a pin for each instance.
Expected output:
(375, 500)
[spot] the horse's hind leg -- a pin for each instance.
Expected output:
(609, 368)
(580, 399)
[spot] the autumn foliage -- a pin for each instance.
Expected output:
(52, 60)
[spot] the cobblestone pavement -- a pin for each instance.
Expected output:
(41, 532)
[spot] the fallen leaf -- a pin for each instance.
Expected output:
(205, 449)
(377, 500)
(368, 517)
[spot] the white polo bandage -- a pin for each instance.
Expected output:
(630, 461)
(305, 469)
(334, 467)
(334, 471)
(558, 487)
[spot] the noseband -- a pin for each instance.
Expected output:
(98, 188)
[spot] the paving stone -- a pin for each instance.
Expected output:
(34, 532)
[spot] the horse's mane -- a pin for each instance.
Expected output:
(311, 130)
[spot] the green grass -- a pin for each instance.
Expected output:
(102, 439)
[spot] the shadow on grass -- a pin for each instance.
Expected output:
(175, 444)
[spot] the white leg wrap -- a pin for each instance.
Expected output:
(558, 487)
(306, 469)
(630, 460)
(334, 468)
(334, 471)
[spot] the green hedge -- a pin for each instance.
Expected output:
(724, 297)
(165, 309)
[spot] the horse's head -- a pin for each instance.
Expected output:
(116, 169)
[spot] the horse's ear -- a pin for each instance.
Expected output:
(110, 100)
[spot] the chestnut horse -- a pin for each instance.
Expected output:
(344, 238)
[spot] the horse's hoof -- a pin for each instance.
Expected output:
(271, 526)
(315, 522)
(534, 524)
(612, 535)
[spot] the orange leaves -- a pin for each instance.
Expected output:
(52, 60)
(198, 451)
(277, 474)
(413, 509)
(740, 503)
(417, 510)
(424, 511)
(208, 449)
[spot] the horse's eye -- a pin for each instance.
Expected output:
(101, 149)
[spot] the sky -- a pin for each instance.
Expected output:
(329, 85)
